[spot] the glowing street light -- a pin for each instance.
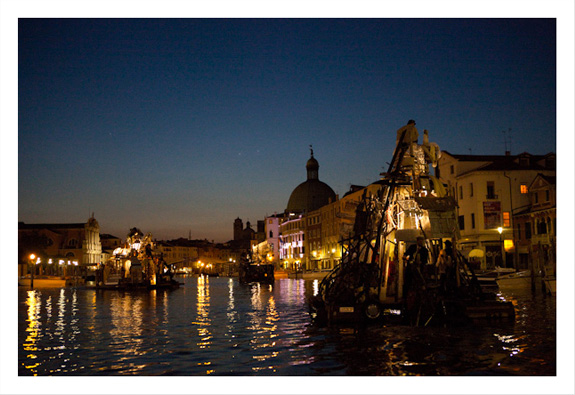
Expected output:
(32, 257)
(500, 230)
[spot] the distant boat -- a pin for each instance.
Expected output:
(135, 266)
(253, 272)
(256, 265)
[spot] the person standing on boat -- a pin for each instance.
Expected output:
(444, 265)
(417, 253)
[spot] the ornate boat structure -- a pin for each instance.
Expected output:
(135, 266)
(378, 279)
(257, 266)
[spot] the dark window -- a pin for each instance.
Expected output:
(527, 230)
(519, 231)
(472, 221)
(491, 190)
(471, 189)
(547, 195)
(461, 222)
(271, 234)
(542, 228)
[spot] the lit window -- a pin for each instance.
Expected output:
(506, 220)
(524, 188)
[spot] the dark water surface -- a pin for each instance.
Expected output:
(216, 326)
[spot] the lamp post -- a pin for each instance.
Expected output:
(500, 230)
(32, 256)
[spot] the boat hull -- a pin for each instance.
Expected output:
(256, 273)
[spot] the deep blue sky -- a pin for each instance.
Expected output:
(183, 125)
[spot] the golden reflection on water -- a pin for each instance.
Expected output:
(203, 320)
(264, 327)
(127, 319)
(33, 330)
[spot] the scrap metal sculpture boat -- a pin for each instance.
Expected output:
(135, 266)
(257, 266)
(378, 277)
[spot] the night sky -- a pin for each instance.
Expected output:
(181, 125)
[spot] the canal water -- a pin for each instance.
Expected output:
(216, 326)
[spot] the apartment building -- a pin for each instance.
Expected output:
(490, 190)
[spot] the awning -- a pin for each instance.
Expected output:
(476, 253)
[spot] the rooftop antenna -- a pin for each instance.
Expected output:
(506, 140)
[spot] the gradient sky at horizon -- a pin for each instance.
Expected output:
(179, 126)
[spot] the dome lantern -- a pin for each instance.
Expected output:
(311, 194)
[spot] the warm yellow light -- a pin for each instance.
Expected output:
(500, 230)
(32, 256)
(508, 244)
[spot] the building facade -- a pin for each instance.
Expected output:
(272, 231)
(490, 190)
(301, 228)
(60, 246)
(536, 227)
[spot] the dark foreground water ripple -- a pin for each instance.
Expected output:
(216, 326)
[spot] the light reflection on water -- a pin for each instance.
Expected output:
(217, 326)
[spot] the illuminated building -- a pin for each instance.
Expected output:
(336, 222)
(490, 191)
(78, 242)
(536, 225)
(272, 231)
(306, 198)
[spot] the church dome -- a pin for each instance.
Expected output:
(311, 194)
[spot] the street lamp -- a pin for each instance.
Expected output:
(32, 257)
(500, 230)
